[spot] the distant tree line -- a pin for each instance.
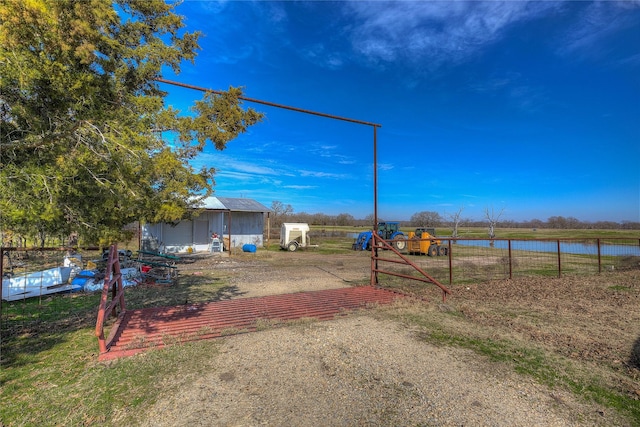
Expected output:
(559, 222)
(285, 213)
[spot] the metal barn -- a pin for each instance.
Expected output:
(237, 221)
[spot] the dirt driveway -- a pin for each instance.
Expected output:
(367, 369)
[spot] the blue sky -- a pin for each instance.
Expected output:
(528, 107)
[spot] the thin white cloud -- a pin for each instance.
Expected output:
(211, 6)
(345, 161)
(442, 32)
(528, 98)
(266, 20)
(319, 174)
(633, 60)
(235, 56)
(522, 93)
(244, 178)
(228, 164)
(301, 187)
(237, 176)
(249, 168)
(595, 23)
(332, 152)
(494, 84)
(321, 55)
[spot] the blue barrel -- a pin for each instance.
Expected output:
(249, 248)
(78, 282)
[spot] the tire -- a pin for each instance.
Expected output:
(443, 250)
(292, 246)
(432, 251)
(400, 243)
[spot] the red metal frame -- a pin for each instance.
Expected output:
(113, 282)
(380, 243)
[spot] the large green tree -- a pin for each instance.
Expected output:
(84, 122)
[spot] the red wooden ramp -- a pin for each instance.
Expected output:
(139, 330)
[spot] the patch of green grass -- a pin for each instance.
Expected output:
(620, 288)
(544, 367)
(544, 233)
(333, 245)
(267, 324)
(66, 386)
(232, 331)
(50, 374)
(326, 246)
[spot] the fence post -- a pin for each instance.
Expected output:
(599, 258)
(559, 261)
(450, 264)
(113, 280)
(510, 264)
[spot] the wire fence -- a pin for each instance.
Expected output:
(46, 290)
(473, 260)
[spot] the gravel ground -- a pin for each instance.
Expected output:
(353, 371)
(356, 371)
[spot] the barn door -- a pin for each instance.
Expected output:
(201, 232)
(178, 235)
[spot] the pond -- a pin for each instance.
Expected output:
(577, 248)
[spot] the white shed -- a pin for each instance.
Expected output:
(237, 222)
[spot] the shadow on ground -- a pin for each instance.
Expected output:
(634, 360)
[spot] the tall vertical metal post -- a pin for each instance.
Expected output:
(374, 228)
(228, 230)
(375, 178)
(559, 260)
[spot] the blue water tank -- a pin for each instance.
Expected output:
(249, 248)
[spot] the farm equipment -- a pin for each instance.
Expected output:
(424, 241)
(157, 267)
(386, 230)
(295, 235)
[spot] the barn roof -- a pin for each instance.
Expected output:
(234, 204)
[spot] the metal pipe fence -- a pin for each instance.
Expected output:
(472, 260)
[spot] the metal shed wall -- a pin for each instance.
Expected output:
(236, 227)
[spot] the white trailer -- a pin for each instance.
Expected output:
(294, 235)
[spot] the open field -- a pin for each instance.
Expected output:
(501, 233)
(570, 345)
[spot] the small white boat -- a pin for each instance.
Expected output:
(43, 282)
